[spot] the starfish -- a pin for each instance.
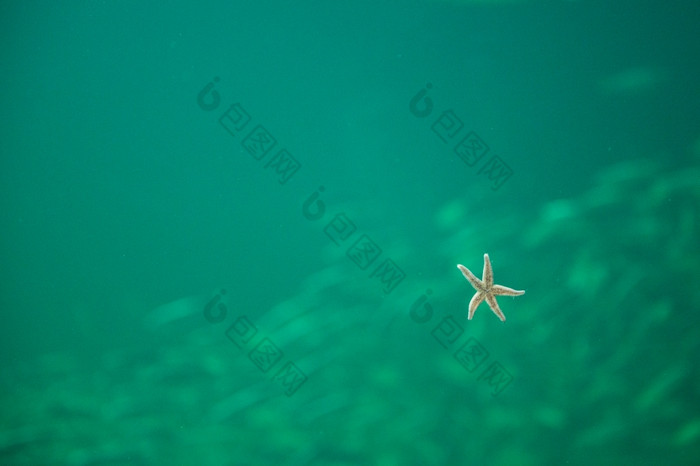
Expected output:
(485, 289)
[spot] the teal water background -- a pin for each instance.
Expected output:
(127, 206)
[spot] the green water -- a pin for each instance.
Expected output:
(230, 233)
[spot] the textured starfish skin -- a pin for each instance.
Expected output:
(486, 290)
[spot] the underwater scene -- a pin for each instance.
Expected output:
(424, 232)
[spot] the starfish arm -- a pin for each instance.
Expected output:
(471, 278)
(491, 300)
(486, 290)
(499, 290)
(487, 277)
(474, 303)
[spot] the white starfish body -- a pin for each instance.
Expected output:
(485, 289)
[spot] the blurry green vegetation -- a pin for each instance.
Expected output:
(601, 348)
